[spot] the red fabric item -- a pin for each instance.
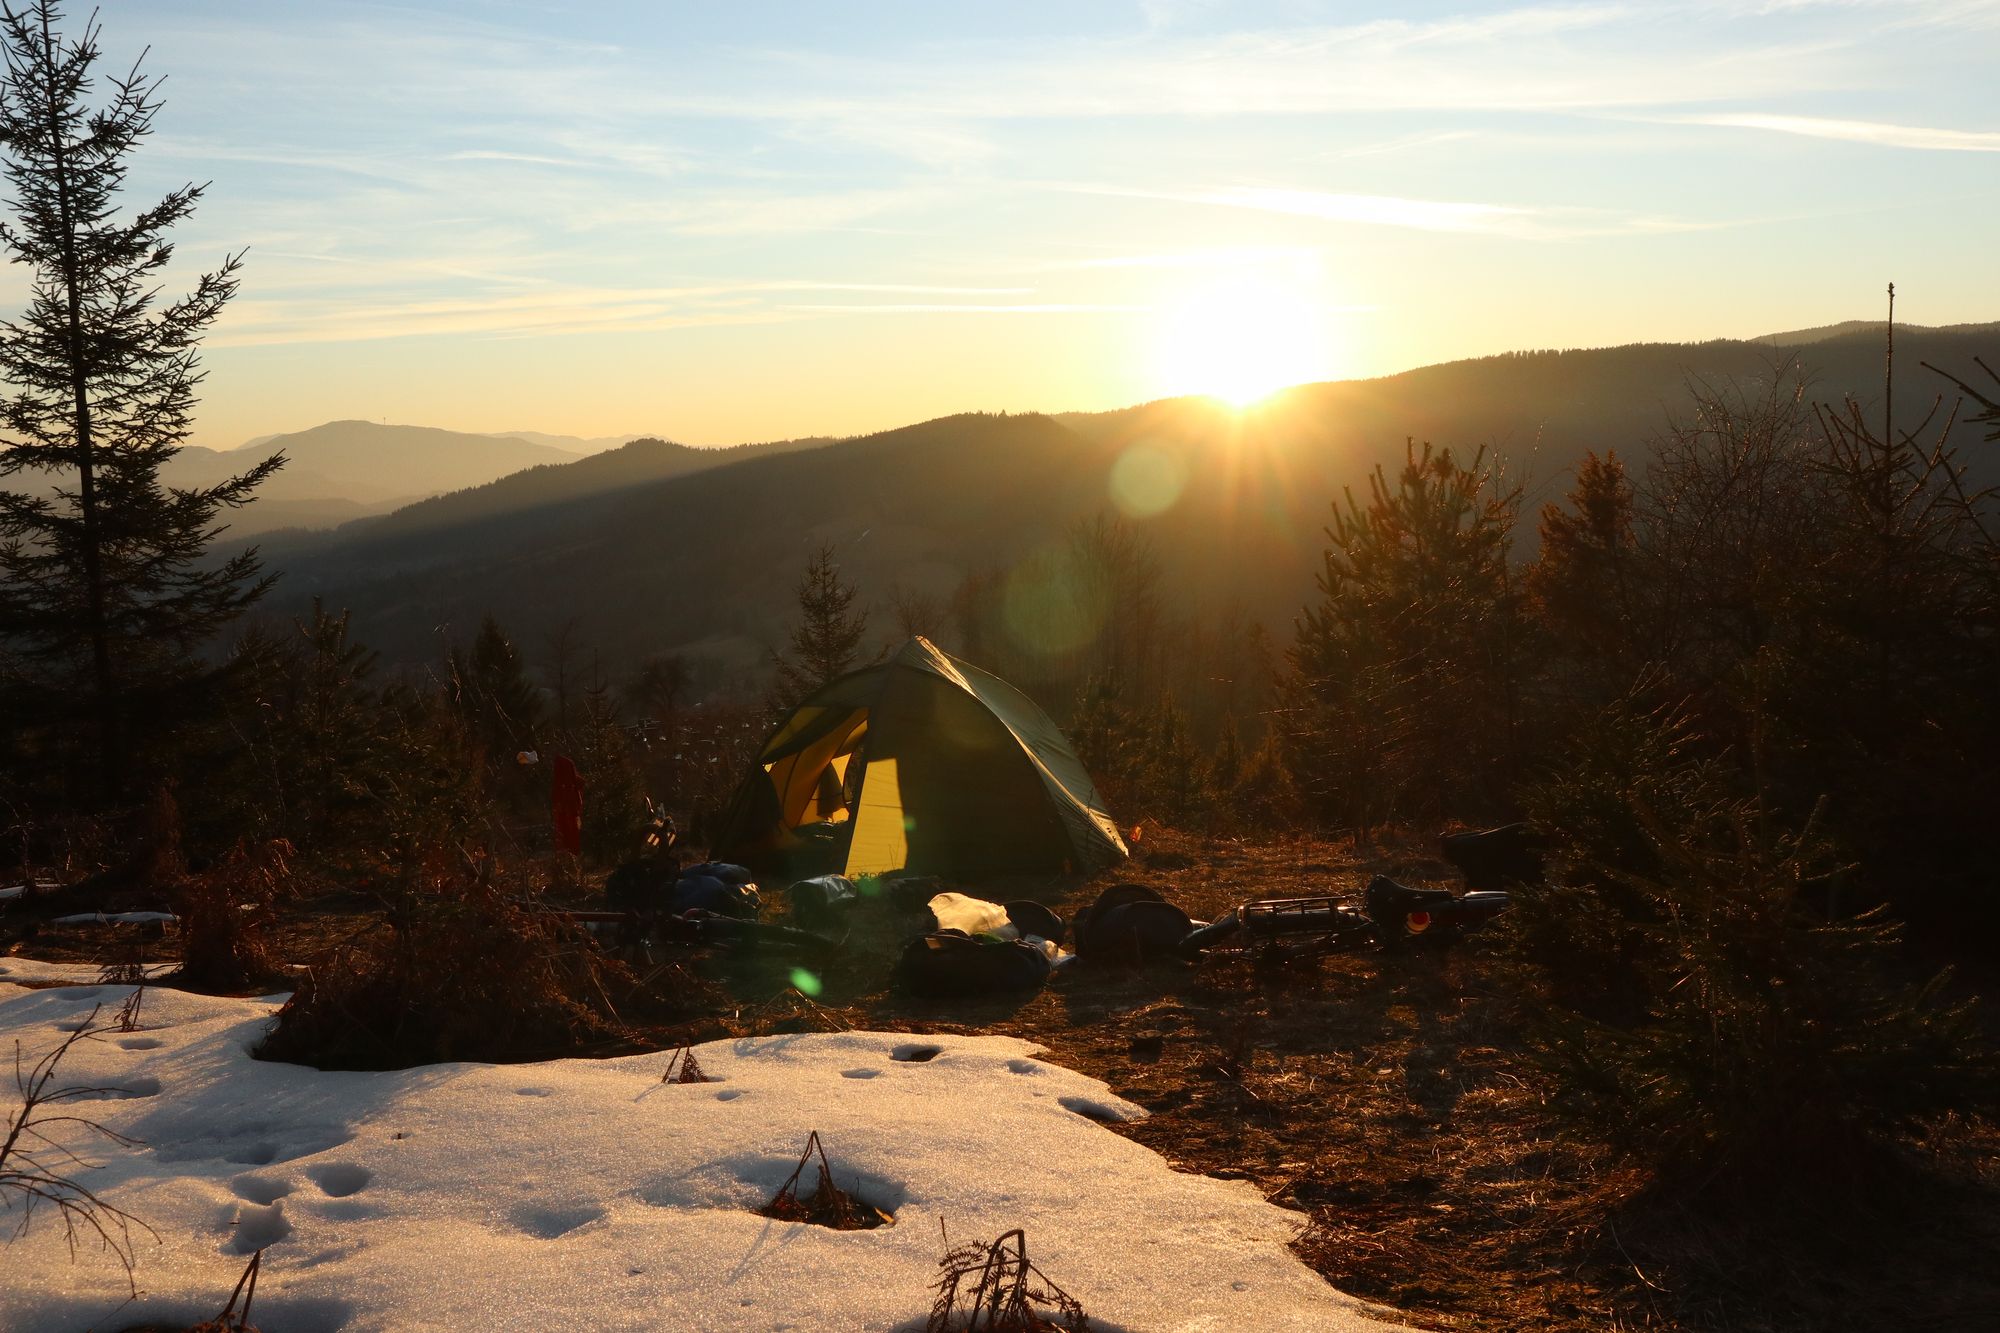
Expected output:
(566, 806)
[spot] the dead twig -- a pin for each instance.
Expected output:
(1007, 1293)
(36, 1167)
(683, 1068)
(232, 1320)
(828, 1205)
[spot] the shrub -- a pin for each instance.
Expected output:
(458, 970)
(224, 912)
(1686, 978)
(1264, 796)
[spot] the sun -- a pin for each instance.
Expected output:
(1241, 338)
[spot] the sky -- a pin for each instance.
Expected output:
(725, 223)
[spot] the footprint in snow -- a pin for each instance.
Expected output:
(861, 1073)
(140, 1043)
(547, 1223)
(337, 1180)
(244, 1145)
(129, 1090)
(262, 1190)
(257, 1227)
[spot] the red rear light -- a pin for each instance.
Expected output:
(1417, 922)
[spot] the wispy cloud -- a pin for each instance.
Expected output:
(1434, 215)
(1855, 131)
(1051, 308)
(1371, 209)
(1236, 256)
(560, 310)
(1367, 209)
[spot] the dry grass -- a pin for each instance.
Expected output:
(225, 914)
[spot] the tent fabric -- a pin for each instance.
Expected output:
(925, 763)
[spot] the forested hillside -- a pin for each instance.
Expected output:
(1235, 504)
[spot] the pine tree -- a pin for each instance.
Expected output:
(1175, 777)
(492, 690)
(828, 636)
(105, 598)
(1403, 675)
(616, 808)
(1582, 587)
(330, 719)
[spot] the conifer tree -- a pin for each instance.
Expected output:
(617, 808)
(105, 599)
(492, 690)
(827, 638)
(1402, 676)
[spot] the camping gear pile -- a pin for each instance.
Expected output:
(887, 781)
(982, 948)
(1289, 929)
(967, 947)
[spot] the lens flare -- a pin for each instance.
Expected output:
(1147, 480)
(1052, 608)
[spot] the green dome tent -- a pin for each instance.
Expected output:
(924, 763)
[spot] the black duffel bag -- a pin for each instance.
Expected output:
(951, 963)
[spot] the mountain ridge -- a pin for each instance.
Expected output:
(705, 561)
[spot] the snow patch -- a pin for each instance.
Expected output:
(112, 918)
(114, 1092)
(442, 1198)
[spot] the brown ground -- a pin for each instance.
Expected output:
(1386, 1098)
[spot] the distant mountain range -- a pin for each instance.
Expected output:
(657, 547)
(573, 444)
(404, 532)
(349, 469)
(345, 471)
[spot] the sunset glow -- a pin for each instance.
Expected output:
(1241, 339)
(719, 226)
